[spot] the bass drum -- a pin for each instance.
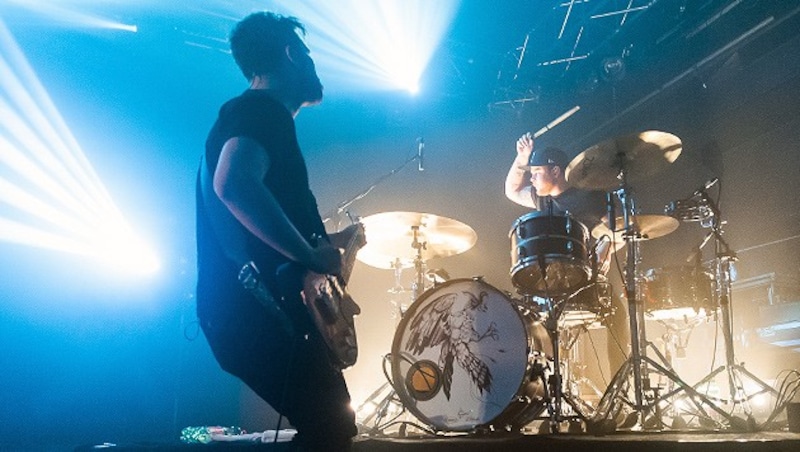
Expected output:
(464, 357)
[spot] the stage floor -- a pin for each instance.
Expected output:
(617, 442)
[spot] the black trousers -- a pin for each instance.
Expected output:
(292, 374)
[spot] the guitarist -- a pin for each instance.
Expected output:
(254, 204)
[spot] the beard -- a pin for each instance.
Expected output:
(312, 90)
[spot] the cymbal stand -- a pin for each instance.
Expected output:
(381, 408)
(639, 365)
(418, 286)
(555, 393)
(575, 380)
(384, 402)
(724, 257)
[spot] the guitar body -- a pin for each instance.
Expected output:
(333, 312)
(330, 307)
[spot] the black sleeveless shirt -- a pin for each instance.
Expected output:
(255, 115)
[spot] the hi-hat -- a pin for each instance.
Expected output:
(638, 155)
(645, 227)
(390, 238)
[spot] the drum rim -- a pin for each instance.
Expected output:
(560, 258)
(398, 381)
(672, 269)
(541, 213)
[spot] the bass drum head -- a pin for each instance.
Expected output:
(460, 355)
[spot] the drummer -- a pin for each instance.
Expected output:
(537, 180)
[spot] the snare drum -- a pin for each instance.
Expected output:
(677, 293)
(464, 358)
(549, 254)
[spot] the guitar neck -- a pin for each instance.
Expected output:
(349, 257)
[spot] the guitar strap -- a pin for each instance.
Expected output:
(232, 238)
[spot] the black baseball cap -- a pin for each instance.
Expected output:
(550, 156)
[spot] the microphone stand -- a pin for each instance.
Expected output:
(340, 208)
(371, 414)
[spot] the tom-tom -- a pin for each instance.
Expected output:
(464, 357)
(549, 254)
(673, 293)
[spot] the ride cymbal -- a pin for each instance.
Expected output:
(637, 155)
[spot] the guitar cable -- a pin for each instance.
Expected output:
(287, 374)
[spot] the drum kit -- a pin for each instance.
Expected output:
(467, 357)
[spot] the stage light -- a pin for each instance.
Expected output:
(382, 45)
(367, 409)
(50, 195)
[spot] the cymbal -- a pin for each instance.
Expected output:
(646, 227)
(390, 238)
(639, 155)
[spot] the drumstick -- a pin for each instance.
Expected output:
(556, 121)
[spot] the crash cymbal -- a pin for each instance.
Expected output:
(639, 155)
(390, 238)
(646, 227)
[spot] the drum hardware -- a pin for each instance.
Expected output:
(400, 240)
(574, 373)
(675, 339)
(437, 276)
(612, 165)
(381, 409)
(689, 210)
(723, 272)
(418, 286)
(396, 241)
(551, 260)
(581, 310)
(588, 306)
(334, 216)
(556, 396)
(694, 208)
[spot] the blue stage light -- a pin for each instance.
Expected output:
(50, 195)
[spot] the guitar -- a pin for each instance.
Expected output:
(331, 308)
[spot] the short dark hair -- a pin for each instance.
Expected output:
(258, 41)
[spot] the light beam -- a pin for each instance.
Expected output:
(50, 195)
(381, 45)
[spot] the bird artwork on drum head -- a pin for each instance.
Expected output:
(442, 323)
